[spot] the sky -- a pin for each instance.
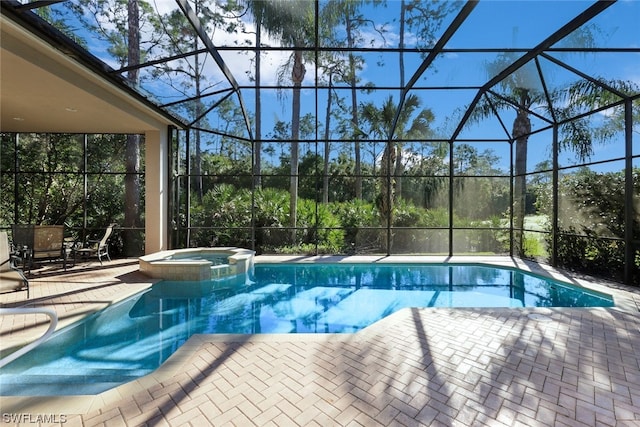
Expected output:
(492, 24)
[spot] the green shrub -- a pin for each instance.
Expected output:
(358, 217)
(319, 226)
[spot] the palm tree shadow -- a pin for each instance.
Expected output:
(492, 365)
(187, 387)
(435, 379)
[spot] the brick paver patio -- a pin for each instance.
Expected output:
(440, 367)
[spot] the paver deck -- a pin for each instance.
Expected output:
(418, 367)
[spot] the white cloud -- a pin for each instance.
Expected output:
(164, 6)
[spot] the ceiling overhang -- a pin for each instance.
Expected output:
(46, 90)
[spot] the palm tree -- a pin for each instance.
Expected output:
(291, 21)
(520, 133)
(409, 126)
(257, 149)
(521, 92)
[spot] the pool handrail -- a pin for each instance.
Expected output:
(52, 326)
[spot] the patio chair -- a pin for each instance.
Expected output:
(22, 241)
(97, 248)
(11, 277)
(48, 244)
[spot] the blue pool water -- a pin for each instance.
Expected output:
(134, 337)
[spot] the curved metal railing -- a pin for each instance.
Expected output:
(52, 326)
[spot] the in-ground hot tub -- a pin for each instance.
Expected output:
(197, 264)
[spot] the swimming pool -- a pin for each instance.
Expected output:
(134, 337)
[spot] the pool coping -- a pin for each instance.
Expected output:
(627, 299)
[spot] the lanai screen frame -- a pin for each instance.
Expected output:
(545, 50)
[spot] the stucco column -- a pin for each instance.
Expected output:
(156, 190)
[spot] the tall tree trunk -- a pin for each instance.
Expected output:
(257, 148)
(325, 175)
(297, 76)
(198, 111)
(354, 110)
(399, 170)
(386, 198)
(521, 131)
(132, 180)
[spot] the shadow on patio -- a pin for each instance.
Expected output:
(417, 367)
